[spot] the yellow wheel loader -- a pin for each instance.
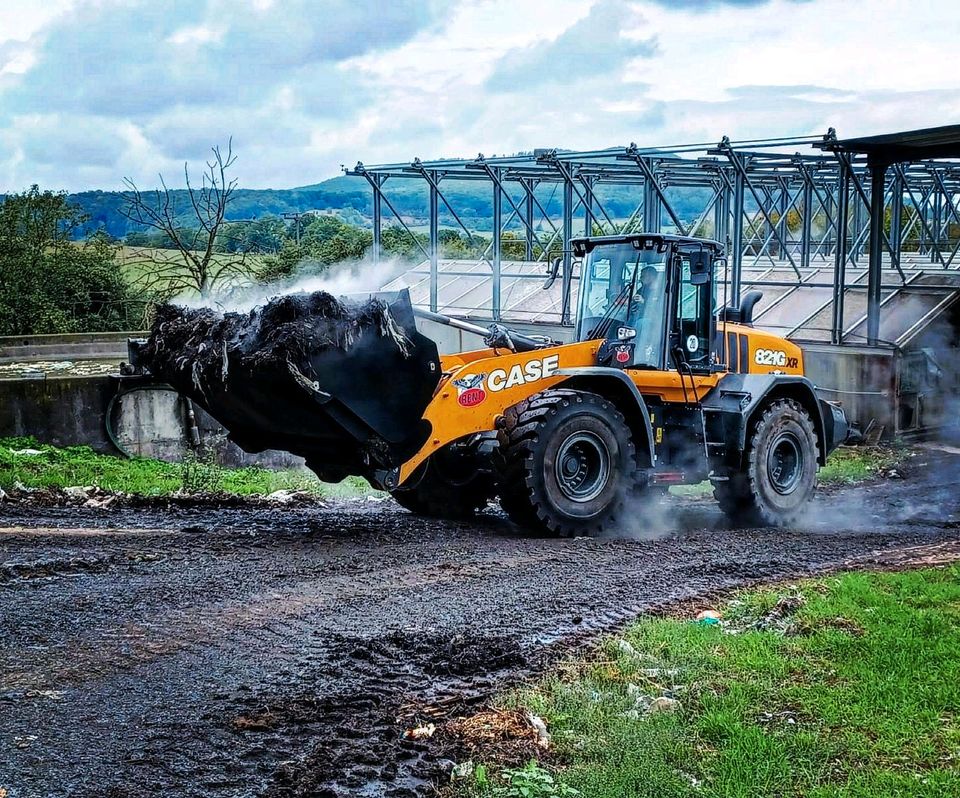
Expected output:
(663, 385)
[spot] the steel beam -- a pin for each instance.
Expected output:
(567, 251)
(497, 231)
(736, 246)
(878, 173)
(840, 251)
(434, 245)
(377, 219)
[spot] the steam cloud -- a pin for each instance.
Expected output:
(349, 277)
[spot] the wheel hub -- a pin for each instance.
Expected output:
(785, 464)
(582, 466)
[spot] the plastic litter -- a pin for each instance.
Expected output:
(543, 736)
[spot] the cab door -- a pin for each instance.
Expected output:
(691, 312)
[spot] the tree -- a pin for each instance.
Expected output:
(200, 268)
(52, 284)
(322, 241)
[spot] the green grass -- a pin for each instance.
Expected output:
(81, 466)
(856, 693)
(851, 464)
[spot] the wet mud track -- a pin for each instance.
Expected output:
(282, 652)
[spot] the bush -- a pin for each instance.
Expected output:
(50, 284)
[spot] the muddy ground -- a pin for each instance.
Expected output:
(282, 652)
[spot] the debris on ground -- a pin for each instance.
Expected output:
(663, 704)
(692, 780)
(286, 496)
(53, 695)
(625, 647)
(543, 736)
(508, 735)
(424, 732)
(96, 498)
(709, 617)
(462, 770)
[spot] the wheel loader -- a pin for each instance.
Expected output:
(664, 384)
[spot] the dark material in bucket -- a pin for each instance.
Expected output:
(341, 382)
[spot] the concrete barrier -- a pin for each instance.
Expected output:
(112, 418)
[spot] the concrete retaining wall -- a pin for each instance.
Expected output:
(147, 422)
(75, 346)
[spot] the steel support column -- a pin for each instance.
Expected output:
(721, 215)
(434, 245)
(651, 207)
(588, 206)
(840, 252)
(497, 251)
(896, 219)
(878, 173)
(567, 252)
(736, 246)
(377, 219)
(528, 218)
(806, 222)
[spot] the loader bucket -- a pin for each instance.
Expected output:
(341, 382)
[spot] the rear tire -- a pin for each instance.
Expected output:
(781, 469)
(565, 463)
(451, 485)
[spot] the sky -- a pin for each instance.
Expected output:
(93, 91)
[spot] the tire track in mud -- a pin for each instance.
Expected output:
(283, 653)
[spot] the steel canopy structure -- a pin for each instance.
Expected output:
(883, 153)
(798, 214)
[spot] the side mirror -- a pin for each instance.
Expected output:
(701, 271)
(552, 273)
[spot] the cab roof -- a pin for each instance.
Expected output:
(584, 244)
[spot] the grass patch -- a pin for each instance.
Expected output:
(846, 686)
(26, 462)
(852, 464)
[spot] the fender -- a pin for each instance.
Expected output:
(616, 385)
(729, 410)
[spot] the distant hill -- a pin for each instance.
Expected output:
(351, 199)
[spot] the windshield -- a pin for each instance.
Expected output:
(622, 286)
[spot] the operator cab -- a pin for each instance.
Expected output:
(650, 298)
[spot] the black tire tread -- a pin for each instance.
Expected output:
(517, 435)
(739, 496)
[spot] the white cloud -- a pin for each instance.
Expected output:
(196, 34)
(93, 90)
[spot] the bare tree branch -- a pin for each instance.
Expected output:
(200, 268)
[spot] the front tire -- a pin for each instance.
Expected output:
(565, 463)
(781, 469)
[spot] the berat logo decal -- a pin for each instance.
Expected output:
(470, 391)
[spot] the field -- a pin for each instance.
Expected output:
(157, 269)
